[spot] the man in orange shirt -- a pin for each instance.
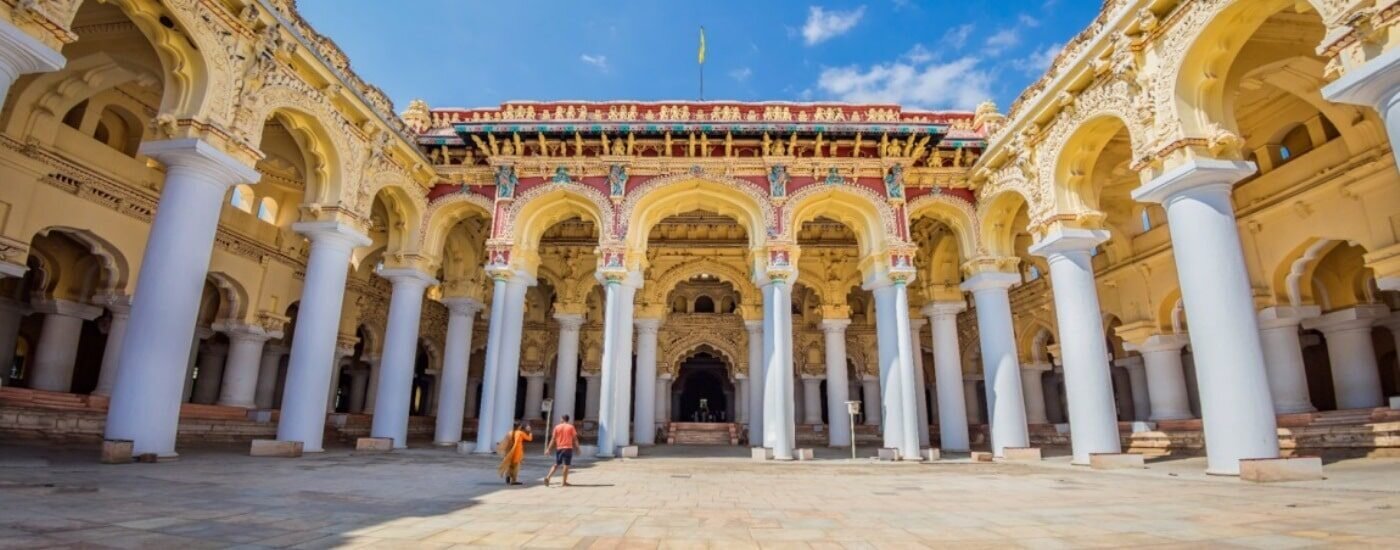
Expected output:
(565, 440)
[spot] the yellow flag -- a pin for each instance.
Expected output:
(702, 45)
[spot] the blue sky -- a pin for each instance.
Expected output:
(932, 54)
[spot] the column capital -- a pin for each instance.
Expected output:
(990, 280)
(934, 310)
(647, 326)
(569, 321)
(1286, 316)
(837, 326)
(738, 376)
(243, 331)
(345, 344)
(332, 231)
(1354, 318)
(1192, 175)
(753, 325)
(916, 322)
(1063, 240)
(12, 269)
(1036, 367)
(407, 276)
(813, 377)
(1372, 84)
(1129, 363)
(1158, 342)
(869, 378)
(66, 308)
(23, 54)
(116, 302)
(201, 157)
(462, 305)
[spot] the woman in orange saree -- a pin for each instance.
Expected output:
(512, 451)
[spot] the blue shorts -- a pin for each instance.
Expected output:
(564, 456)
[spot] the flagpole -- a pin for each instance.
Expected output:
(702, 63)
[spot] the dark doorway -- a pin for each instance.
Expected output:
(702, 390)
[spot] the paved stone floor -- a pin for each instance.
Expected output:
(672, 498)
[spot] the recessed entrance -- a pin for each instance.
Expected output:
(703, 392)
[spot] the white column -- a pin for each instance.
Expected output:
(622, 387)
(755, 341)
(1034, 391)
(400, 353)
(22, 54)
(870, 394)
(509, 369)
(1283, 357)
(211, 373)
(837, 383)
(11, 315)
(372, 391)
(1137, 382)
(120, 307)
(486, 437)
(891, 392)
(566, 367)
(1237, 408)
(1166, 378)
(613, 333)
(473, 384)
(57, 349)
(974, 410)
(461, 315)
(1374, 84)
(778, 414)
(811, 400)
(948, 376)
(359, 382)
(1356, 376)
(1000, 366)
(317, 328)
(920, 385)
(663, 398)
(645, 409)
(240, 383)
(1084, 352)
(534, 396)
(741, 390)
(592, 395)
(145, 403)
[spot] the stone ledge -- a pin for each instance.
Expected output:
(465, 447)
(1021, 454)
(1116, 461)
(761, 453)
(803, 454)
(587, 451)
(1269, 470)
(979, 456)
(374, 444)
(275, 448)
(117, 451)
(930, 455)
(888, 454)
(629, 451)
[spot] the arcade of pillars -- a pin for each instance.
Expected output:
(1195, 213)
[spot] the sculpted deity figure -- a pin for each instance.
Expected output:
(617, 180)
(894, 182)
(561, 175)
(777, 180)
(506, 182)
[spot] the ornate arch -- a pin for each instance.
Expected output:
(321, 133)
(755, 214)
(38, 108)
(689, 344)
(957, 214)
(865, 212)
(234, 298)
(406, 206)
(1078, 140)
(116, 271)
(656, 292)
(443, 214)
(525, 220)
(996, 215)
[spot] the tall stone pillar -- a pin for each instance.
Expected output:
(1033, 389)
(756, 376)
(870, 395)
(663, 398)
(317, 329)
(534, 396)
(486, 437)
(359, 382)
(948, 375)
(741, 390)
(57, 350)
(395, 390)
(1088, 380)
(1283, 357)
(614, 401)
(508, 375)
(473, 384)
(644, 424)
(240, 383)
(778, 415)
(974, 410)
(461, 315)
(1137, 383)
(120, 308)
(1166, 378)
(920, 386)
(145, 405)
(211, 373)
(900, 415)
(1236, 406)
(592, 395)
(22, 54)
(1002, 370)
(372, 391)
(837, 383)
(1356, 376)
(566, 367)
(812, 400)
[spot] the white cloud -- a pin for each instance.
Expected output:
(823, 25)
(958, 84)
(1027, 21)
(956, 37)
(919, 54)
(1038, 61)
(741, 74)
(1003, 39)
(598, 61)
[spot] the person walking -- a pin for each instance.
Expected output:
(512, 450)
(564, 442)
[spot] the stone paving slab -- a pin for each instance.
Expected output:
(673, 498)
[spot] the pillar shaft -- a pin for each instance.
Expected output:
(534, 397)
(1356, 376)
(314, 339)
(240, 381)
(837, 383)
(1283, 357)
(870, 394)
(645, 423)
(779, 422)
(974, 410)
(1236, 406)
(508, 375)
(593, 393)
(566, 367)
(756, 377)
(395, 391)
(485, 424)
(1034, 391)
(811, 401)
(212, 360)
(1166, 377)
(57, 349)
(1000, 367)
(948, 375)
(120, 308)
(452, 402)
(920, 385)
